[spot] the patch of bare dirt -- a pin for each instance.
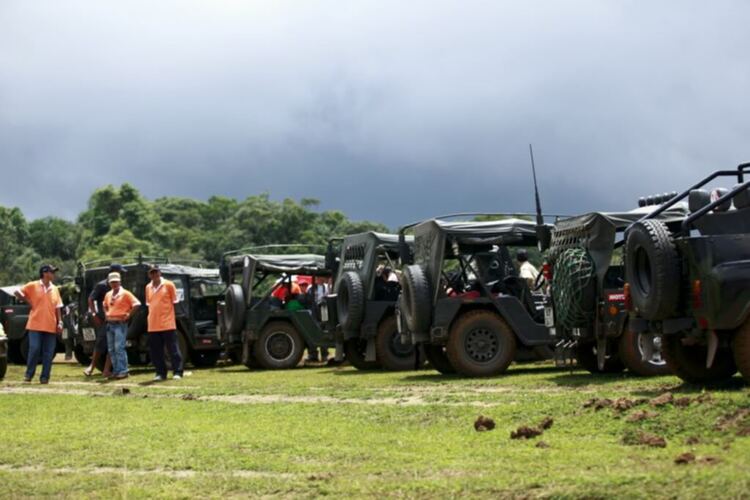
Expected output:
(685, 458)
(483, 423)
(640, 415)
(662, 400)
(189, 397)
(598, 403)
(693, 440)
(738, 419)
(542, 444)
(546, 423)
(645, 439)
(709, 460)
(173, 473)
(121, 391)
(682, 402)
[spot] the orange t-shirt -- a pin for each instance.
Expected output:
(43, 302)
(160, 301)
(117, 307)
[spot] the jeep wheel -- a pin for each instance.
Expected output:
(641, 354)
(689, 361)
(204, 359)
(247, 356)
(416, 299)
(741, 349)
(279, 346)
(354, 350)
(652, 268)
(391, 353)
(438, 359)
(586, 357)
(481, 344)
(82, 358)
(350, 301)
(3, 366)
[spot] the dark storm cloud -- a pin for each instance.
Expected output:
(389, 111)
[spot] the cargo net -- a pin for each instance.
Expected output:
(564, 239)
(573, 285)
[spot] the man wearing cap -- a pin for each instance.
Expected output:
(161, 296)
(45, 321)
(96, 309)
(119, 307)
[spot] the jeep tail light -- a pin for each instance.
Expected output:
(547, 271)
(697, 294)
(628, 298)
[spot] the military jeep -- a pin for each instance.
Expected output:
(463, 300)
(366, 291)
(198, 290)
(3, 352)
(690, 284)
(585, 301)
(258, 327)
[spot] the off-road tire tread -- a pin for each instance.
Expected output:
(385, 357)
(437, 359)
(696, 372)
(741, 349)
(350, 318)
(357, 359)
(454, 347)
(266, 361)
(417, 313)
(627, 348)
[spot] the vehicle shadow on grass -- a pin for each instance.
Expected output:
(734, 384)
(578, 378)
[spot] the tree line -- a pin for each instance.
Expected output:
(119, 223)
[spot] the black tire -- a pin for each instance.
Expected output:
(689, 361)
(416, 299)
(481, 344)
(391, 353)
(3, 366)
(204, 359)
(741, 350)
(652, 268)
(586, 357)
(631, 348)
(279, 346)
(14, 352)
(354, 350)
(350, 301)
(82, 358)
(233, 318)
(438, 359)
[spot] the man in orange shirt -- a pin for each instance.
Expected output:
(161, 296)
(45, 321)
(119, 307)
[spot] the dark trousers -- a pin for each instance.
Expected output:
(44, 345)
(158, 342)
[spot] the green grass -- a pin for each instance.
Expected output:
(338, 432)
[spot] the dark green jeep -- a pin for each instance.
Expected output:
(199, 290)
(690, 284)
(265, 321)
(585, 302)
(366, 291)
(464, 299)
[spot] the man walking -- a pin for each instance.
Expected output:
(119, 307)
(44, 323)
(161, 296)
(96, 309)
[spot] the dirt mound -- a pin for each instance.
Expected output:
(483, 423)
(526, 432)
(121, 391)
(542, 444)
(598, 403)
(645, 439)
(685, 458)
(546, 423)
(662, 399)
(639, 415)
(693, 440)
(189, 397)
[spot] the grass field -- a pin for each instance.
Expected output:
(339, 432)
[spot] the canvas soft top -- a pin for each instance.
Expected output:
(291, 263)
(198, 272)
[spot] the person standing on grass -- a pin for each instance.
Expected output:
(96, 309)
(119, 307)
(161, 296)
(44, 323)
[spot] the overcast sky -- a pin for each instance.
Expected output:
(388, 110)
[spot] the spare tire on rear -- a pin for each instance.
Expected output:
(416, 299)
(234, 310)
(350, 301)
(652, 268)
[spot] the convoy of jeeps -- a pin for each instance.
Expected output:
(659, 289)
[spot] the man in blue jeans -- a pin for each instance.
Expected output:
(45, 321)
(119, 307)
